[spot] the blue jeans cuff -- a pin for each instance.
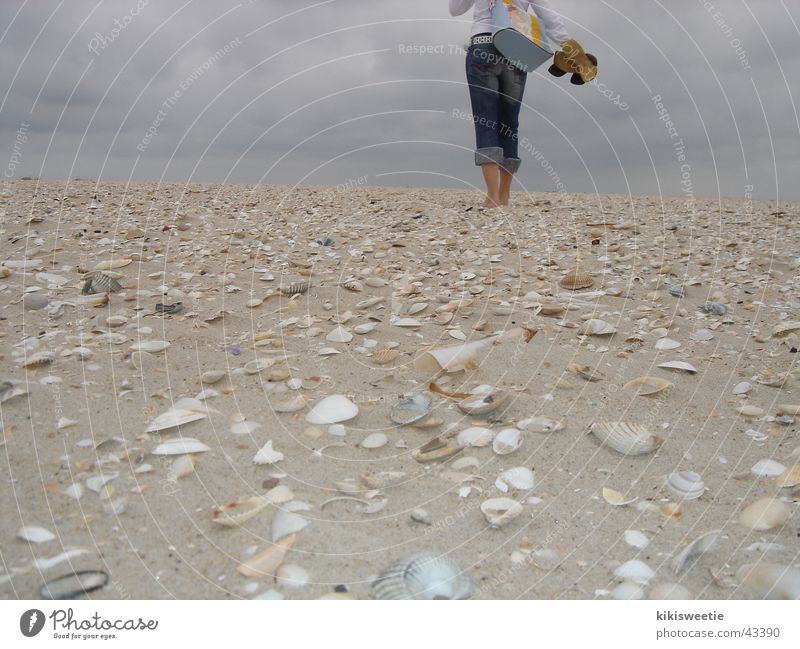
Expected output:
(511, 165)
(489, 154)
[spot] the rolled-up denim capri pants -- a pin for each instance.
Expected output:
(495, 91)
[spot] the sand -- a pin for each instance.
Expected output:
(215, 248)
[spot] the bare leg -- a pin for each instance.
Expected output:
(504, 191)
(490, 177)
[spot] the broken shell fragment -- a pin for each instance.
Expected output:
(615, 498)
(423, 577)
(519, 477)
(267, 455)
(180, 446)
(764, 514)
(700, 545)
(413, 409)
(507, 441)
(541, 425)
(462, 356)
(240, 511)
(789, 478)
(647, 385)
(384, 356)
(586, 372)
(436, 450)
(499, 512)
(597, 327)
(482, 402)
(626, 437)
(475, 436)
(267, 562)
(636, 571)
(332, 410)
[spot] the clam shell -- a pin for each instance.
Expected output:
(384, 356)
(681, 366)
(576, 279)
(483, 403)
(519, 477)
(626, 437)
(541, 425)
(586, 372)
(665, 344)
(212, 376)
(423, 577)
(687, 485)
(499, 512)
(767, 468)
(180, 446)
(507, 441)
(616, 498)
(475, 436)
(150, 346)
(770, 580)
(292, 404)
(174, 417)
(181, 467)
(636, 539)
(332, 410)
(455, 358)
(750, 411)
(374, 440)
(647, 385)
(408, 411)
(789, 478)
(789, 409)
(258, 364)
(636, 571)
(34, 534)
(408, 323)
(701, 544)
(339, 335)
(286, 522)
(764, 514)
(597, 327)
(436, 450)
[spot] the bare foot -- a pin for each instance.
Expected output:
(504, 199)
(490, 203)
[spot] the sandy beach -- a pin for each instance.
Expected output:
(289, 295)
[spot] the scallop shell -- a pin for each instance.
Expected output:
(770, 580)
(235, 513)
(180, 446)
(764, 514)
(408, 411)
(687, 485)
(384, 356)
(507, 441)
(626, 437)
(101, 283)
(482, 403)
(681, 366)
(297, 288)
(586, 372)
(499, 512)
(576, 279)
(647, 385)
(332, 410)
(597, 327)
(423, 577)
(701, 544)
(38, 359)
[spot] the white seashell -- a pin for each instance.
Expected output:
(541, 425)
(500, 511)
(636, 571)
(267, 562)
(616, 498)
(150, 346)
(365, 328)
(597, 327)
(669, 590)
(701, 335)
(74, 491)
(519, 477)
(332, 410)
(417, 307)
(329, 351)
(665, 344)
(375, 440)
(789, 478)
(244, 427)
(212, 376)
(701, 544)
(408, 323)
(770, 580)
(686, 485)
(767, 468)
(413, 409)
(258, 365)
(764, 514)
(750, 411)
(626, 438)
(180, 446)
(292, 404)
(458, 357)
(286, 522)
(339, 335)
(180, 468)
(34, 534)
(636, 539)
(788, 409)
(97, 482)
(785, 328)
(292, 575)
(376, 282)
(647, 385)
(546, 559)
(267, 455)
(423, 577)
(174, 417)
(742, 388)
(475, 436)
(240, 511)
(627, 590)
(483, 401)
(507, 441)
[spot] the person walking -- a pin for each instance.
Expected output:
(495, 89)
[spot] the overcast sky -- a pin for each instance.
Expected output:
(328, 92)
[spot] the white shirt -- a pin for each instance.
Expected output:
(482, 17)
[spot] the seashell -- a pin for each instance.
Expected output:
(329, 351)
(34, 534)
(507, 441)
(789, 478)
(423, 577)
(750, 411)
(296, 288)
(292, 404)
(627, 590)
(788, 409)
(597, 327)
(626, 437)
(174, 417)
(636, 539)
(111, 264)
(365, 328)
(339, 335)
(408, 323)
(436, 450)
(764, 514)
(770, 580)
(615, 498)
(292, 576)
(767, 468)
(376, 282)
(665, 344)
(715, 308)
(267, 562)
(669, 590)
(636, 571)
(586, 372)
(240, 511)
(374, 440)
(576, 279)
(332, 410)
(101, 283)
(701, 544)
(475, 436)
(483, 402)
(384, 356)
(499, 512)
(785, 328)
(455, 358)
(546, 559)
(444, 318)
(353, 285)
(519, 477)
(180, 446)
(267, 455)
(417, 307)
(212, 376)
(686, 485)
(647, 385)
(286, 522)
(150, 346)
(258, 364)
(255, 302)
(38, 359)
(181, 467)
(541, 425)
(74, 584)
(701, 335)
(413, 409)
(681, 366)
